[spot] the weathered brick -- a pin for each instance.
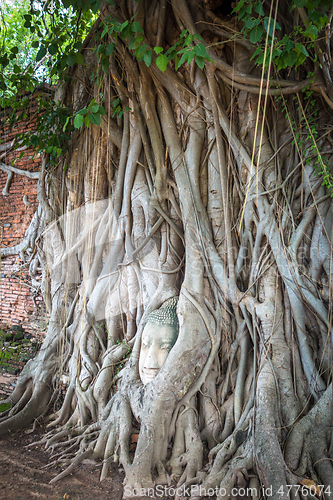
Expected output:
(16, 304)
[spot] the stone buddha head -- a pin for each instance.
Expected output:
(158, 337)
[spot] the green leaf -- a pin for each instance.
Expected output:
(183, 58)
(141, 50)
(251, 22)
(162, 62)
(105, 65)
(276, 53)
(78, 121)
(53, 49)
(188, 40)
(300, 59)
(290, 58)
(136, 26)
(245, 11)
(289, 45)
(101, 110)
(200, 50)
(239, 6)
(158, 50)
(256, 33)
(14, 50)
(124, 25)
(104, 32)
(311, 31)
(4, 61)
(318, 18)
(95, 118)
(269, 25)
(200, 61)
(259, 8)
(41, 53)
(300, 3)
(260, 59)
(116, 110)
(71, 59)
(109, 49)
(35, 44)
(280, 63)
(66, 123)
(4, 407)
(94, 108)
(116, 27)
(190, 56)
(138, 41)
(147, 57)
(302, 49)
(79, 58)
(131, 43)
(96, 5)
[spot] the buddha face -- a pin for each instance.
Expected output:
(156, 343)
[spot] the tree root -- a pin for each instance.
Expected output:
(307, 447)
(34, 408)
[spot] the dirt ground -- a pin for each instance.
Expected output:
(23, 475)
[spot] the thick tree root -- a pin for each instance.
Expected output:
(33, 409)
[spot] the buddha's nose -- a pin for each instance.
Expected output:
(152, 358)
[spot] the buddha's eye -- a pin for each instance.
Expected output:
(166, 347)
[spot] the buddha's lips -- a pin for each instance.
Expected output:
(150, 372)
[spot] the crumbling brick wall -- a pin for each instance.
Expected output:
(19, 302)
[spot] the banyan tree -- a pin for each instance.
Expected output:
(185, 243)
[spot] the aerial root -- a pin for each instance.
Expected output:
(232, 474)
(64, 413)
(109, 449)
(16, 404)
(308, 442)
(188, 448)
(75, 463)
(33, 409)
(105, 468)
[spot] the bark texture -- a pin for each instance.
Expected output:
(199, 190)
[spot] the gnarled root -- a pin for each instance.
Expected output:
(309, 443)
(32, 394)
(33, 408)
(187, 448)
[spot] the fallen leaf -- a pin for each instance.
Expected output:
(311, 485)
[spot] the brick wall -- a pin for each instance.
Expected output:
(19, 305)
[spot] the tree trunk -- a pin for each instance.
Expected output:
(204, 187)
